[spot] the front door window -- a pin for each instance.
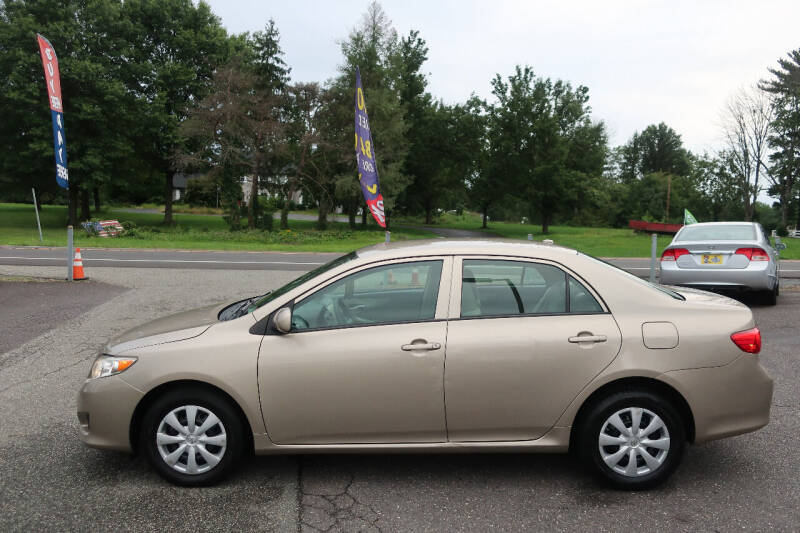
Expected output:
(388, 294)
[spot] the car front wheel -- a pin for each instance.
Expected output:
(633, 439)
(192, 437)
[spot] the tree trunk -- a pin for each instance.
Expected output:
(72, 209)
(86, 213)
(285, 214)
(351, 215)
(784, 209)
(364, 216)
(287, 204)
(485, 215)
(253, 207)
(96, 194)
(797, 224)
(428, 214)
(322, 214)
(545, 221)
(168, 198)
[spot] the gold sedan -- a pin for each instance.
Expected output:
(436, 346)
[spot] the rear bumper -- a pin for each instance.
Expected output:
(727, 400)
(757, 278)
(105, 409)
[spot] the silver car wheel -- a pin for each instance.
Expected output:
(634, 442)
(191, 439)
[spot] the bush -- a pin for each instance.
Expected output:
(266, 220)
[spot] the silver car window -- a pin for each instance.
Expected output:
(395, 293)
(722, 232)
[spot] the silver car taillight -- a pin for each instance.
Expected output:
(753, 254)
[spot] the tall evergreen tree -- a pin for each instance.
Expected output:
(784, 89)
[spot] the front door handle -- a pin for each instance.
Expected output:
(588, 338)
(419, 346)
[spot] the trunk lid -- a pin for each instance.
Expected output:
(713, 255)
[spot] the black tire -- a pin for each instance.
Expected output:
(205, 399)
(595, 420)
(771, 297)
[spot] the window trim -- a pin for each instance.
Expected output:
(458, 270)
(443, 297)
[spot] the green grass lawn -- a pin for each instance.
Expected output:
(599, 242)
(200, 232)
(209, 232)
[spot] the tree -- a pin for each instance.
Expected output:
(539, 132)
(89, 40)
(747, 126)
(784, 91)
(657, 150)
(168, 70)
(372, 46)
(718, 186)
(233, 130)
(307, 143)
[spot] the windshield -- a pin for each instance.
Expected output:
(637, 279)
(722, 232)
(299, 281)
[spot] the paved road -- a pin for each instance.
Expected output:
(50, 482)
(298, 261)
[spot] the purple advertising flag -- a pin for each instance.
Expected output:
(365, 157)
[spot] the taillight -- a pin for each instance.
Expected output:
(672, 254)
(748, 341)
(753, 254)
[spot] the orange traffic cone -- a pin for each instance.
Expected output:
(77, 267)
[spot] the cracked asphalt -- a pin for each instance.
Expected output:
(50, 482)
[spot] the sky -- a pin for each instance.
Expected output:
(643, 61)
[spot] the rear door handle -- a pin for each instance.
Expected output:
(421, 346)
(588, 338)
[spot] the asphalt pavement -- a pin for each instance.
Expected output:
(50, 482)
(202, 259)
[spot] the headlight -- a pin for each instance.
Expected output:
(106, 365)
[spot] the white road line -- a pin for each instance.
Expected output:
(91, 260)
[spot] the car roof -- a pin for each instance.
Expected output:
(428, 247)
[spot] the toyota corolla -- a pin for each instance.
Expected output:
(436, 346)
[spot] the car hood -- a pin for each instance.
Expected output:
(171, 328)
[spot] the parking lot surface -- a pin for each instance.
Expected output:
(50, 481)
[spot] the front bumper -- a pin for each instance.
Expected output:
(726, 400)
(105, 410)
(757, 277)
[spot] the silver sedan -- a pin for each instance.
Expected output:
(723, 256)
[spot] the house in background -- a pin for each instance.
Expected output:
(247, 184)
(179, 183)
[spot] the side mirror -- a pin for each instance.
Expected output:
(283, 320)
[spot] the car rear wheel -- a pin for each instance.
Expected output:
(192, 437)
(633, 439)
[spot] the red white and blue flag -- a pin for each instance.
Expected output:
(365, 157)
(53, 80)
